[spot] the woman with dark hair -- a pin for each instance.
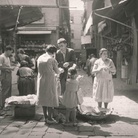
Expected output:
(22, 56)
(46, 82)
(103, 88)
(26, 82)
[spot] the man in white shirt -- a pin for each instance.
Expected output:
(6, 74)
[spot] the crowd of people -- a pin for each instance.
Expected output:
(57, 76)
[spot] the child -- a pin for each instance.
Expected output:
(70, 100)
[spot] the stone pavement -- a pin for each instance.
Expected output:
(122, 123)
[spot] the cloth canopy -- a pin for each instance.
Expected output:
(9, 14)
(121, 12)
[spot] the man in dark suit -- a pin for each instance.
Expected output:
(66, 58)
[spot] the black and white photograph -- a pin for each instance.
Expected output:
(68, 69)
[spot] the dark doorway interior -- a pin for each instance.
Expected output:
(91, 51)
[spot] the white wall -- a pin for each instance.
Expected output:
(77, 27)
(51, 16)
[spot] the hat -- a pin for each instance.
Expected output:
(61, 40)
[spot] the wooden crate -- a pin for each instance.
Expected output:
(24, 111)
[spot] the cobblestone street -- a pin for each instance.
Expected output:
(122, 123)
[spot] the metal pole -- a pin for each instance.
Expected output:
(15, 30)
(18, 16)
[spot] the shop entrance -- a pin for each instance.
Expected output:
(33, 43)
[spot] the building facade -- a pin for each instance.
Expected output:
(34, 37)
(76, 29)
(54, 24)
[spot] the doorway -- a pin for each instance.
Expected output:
(91, 51)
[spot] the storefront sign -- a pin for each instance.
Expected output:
(86, 39)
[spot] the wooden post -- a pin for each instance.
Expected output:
(119, 63)
(134, 56)
(97, 39)
(15, 31)
(0, 35)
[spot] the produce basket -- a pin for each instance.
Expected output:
(23, 106)
(24, 110)
(92, 114)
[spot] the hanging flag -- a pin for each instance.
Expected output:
(88, 24)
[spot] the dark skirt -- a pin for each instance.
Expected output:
(26, 85)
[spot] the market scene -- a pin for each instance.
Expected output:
(68, 69)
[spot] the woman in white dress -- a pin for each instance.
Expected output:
(46, 82)
(103, 88)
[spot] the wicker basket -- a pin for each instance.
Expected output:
(24, 110)
(93, 115)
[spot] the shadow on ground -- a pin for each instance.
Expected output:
(112, 118)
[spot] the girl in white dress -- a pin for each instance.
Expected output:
(70, 100)
(103, 88)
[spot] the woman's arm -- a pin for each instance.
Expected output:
(6, 68)
(55, 67)
(96, 68)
